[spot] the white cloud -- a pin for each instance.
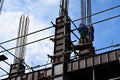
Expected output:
(9, 24)
(39, 15)
(50, 2)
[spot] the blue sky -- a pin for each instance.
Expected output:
(41, 13)
(106, 33)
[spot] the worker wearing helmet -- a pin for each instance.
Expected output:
(83, 33)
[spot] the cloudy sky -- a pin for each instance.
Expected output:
(41, 13)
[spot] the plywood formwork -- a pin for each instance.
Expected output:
(43, 74)
(61, 45)
(104, 66)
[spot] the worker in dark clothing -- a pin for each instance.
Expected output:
(91, 34)
(83, 33)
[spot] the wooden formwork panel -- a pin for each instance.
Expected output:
(59, 47)
(61, 30)
(58, 52)
(33, 75)
(95, 60)
(59, 36)
(60, 41)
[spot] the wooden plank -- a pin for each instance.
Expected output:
(95, 60)
(82, 63)
(30, 76)
(89, 62)
(107, 57)
(59, 47)
(81, 47)
(69, 67)
(61, 30)
(75, 65)
(35, 75)
(115, 55)
(111, 56)
(103, 58)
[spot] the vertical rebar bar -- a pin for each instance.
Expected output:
(64, 4)
(89, 19)
(1, 5)
(83, 11)
(17, 42)
(23, 30)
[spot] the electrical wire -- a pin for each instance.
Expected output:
(68, 22)
(101, 20)
(102, 11)
(73, 30)
(106, 19)
(53, 35)
(26, 35)
(28, 43)
(115, 45)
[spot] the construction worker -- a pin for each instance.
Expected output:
(83, 33)
(90, 34)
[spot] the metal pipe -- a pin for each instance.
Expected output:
(66, 7)
(61, 4)
(89, 19)
(85, 10)
(64, 10)
(82, 11)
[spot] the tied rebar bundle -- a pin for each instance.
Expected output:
(23, 30)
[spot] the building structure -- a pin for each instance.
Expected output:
(85, 66)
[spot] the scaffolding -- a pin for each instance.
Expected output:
(90, 67)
